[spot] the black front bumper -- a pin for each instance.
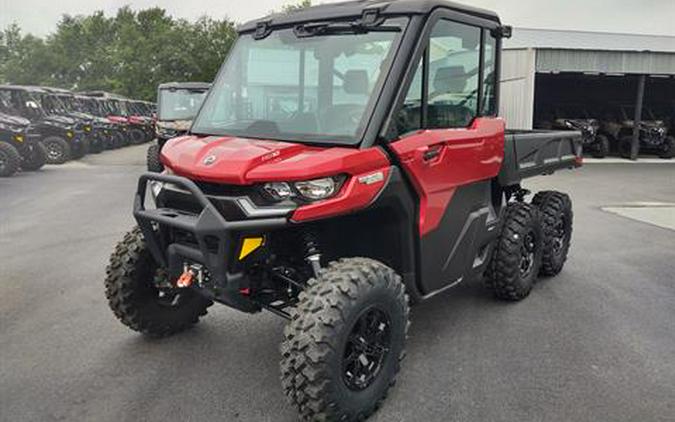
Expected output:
(215, 242)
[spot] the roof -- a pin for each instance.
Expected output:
(584, 40)
(354, 9)
(30, 88)
(185, 85)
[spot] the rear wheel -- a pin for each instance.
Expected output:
(136, 136)
(35, 159)
(625, 146)
(344, 343)
(154, 164)
(517, 254)
(601, 147)
(10, 159)
(81, 149)
(97, 145)
(668, 148)
(555, 209)
(130, 286)
(58, 150)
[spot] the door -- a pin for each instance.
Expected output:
(451, 148)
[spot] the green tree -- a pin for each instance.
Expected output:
(129, 53)
(302, 4)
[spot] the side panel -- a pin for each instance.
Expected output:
(440, 160)
(451, 170)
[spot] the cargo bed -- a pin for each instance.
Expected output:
(529, 153)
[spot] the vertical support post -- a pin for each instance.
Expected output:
(637, 119)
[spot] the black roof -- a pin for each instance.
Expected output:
(354, 9)
(185, 85)
(24, 88)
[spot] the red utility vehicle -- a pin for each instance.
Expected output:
(347, 161)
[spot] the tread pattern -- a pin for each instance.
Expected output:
(65, 146)
(551, 206)
(12, 157)
(503, 274)
(127, 287)
(311, 337)
(152, 160)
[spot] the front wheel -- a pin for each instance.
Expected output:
(345, 341)
(153, 162)
(58, 150)
(35, 159)
(133, 295)
(9, 159)
(668, 148)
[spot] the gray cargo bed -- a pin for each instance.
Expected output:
(536, 152)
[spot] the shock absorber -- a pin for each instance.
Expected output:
(312, 251)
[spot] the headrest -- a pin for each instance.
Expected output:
(450, 79)
(355, 82)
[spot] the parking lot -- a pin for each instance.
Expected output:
(595, 343)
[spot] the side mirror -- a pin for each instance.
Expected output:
(504, 31)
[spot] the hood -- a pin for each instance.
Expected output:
(59, 120)
(178, 125)
(241, 161)
(14, 120)
(117, 119)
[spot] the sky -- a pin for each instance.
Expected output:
(39, 17)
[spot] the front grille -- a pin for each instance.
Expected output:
(181, 200)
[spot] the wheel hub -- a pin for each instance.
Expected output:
(54, 152)
(559, 236)
(527, 252)
(366, 349)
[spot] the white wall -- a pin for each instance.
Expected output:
(516, 103)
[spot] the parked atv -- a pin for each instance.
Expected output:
(319, 181)
(575, 117)
(62, 136)
(18, 148)
(653, 134)
(177, 104)
(93, 126)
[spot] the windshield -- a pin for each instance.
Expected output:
(308, 88)
(179, 104)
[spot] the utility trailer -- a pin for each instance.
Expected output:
(347, 162)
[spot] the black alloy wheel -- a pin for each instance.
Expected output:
(367, 348)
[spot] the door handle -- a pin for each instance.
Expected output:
(429, 154)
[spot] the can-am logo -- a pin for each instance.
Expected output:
(210, 159)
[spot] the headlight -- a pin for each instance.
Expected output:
(310, 190)
(317, 189)
(70, 134)
(87, 128)
(18, 138)
(279, 191)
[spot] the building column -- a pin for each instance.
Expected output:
(637, 119)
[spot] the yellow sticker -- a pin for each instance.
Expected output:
(249, 245)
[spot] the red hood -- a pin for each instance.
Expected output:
(117, 119)
(244, 161)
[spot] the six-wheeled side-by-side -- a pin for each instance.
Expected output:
(177, 105)
(347, 162)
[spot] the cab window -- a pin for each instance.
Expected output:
(452, 93)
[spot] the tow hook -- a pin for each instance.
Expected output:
(190, 273)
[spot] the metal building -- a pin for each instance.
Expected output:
(549, 65)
